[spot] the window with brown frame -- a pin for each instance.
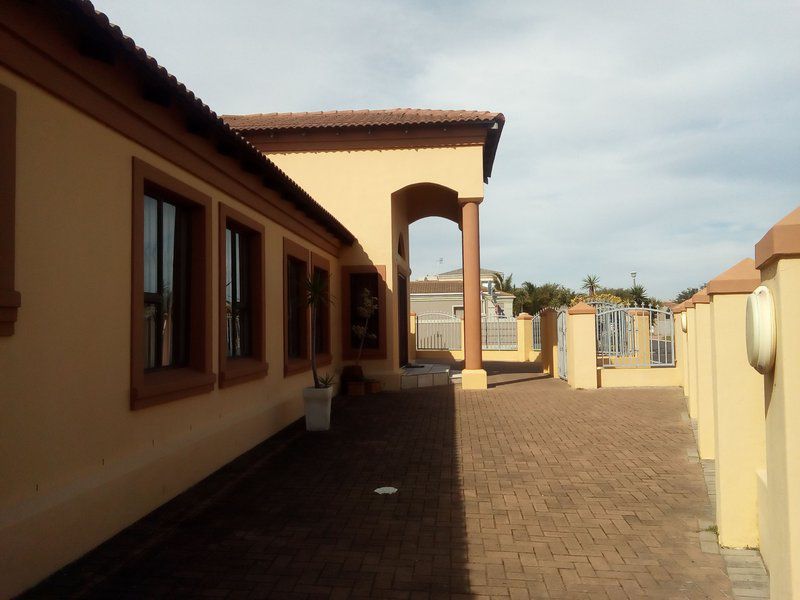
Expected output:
(296, 309)
(356, 282)
(9, 297)
(321, 268)
(242, 348)
(171, 284)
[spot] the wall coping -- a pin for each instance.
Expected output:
(581, 308)
(741, 278)
(679, 308)
(701, 297)
(523, 316)
(688, 304)
(782, 240)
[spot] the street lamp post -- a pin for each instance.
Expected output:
(633, 274)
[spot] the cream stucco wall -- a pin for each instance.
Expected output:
(779, 496)
(739, 423)
(691, 337)
(357, 187)
(76, 464)
(705, 382)
(581, 351)
(628, 377)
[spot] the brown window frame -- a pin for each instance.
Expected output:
(348, 352)
(233, 371)
(149, 388)
(324, 355)
(10, 298)
(293, 366)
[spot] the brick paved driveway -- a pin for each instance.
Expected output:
(526, 490)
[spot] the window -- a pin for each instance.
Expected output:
(9, 297)
(321, 268)
(458, 311)
(296, 310)
(359, 282)
(242, 348)
(166, 277)
(170, 283)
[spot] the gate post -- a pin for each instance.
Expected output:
(524, 337)
(705, 381)
(412, 337)
(582, 347)
(549, 342)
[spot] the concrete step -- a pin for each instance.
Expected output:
(425, 375)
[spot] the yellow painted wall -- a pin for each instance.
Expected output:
(581, 352)
(739, 423)
(705, 382)
(681, 351)
(77, 464)
(691, 336)
(779, 498)
(356, 186)
(657, 377)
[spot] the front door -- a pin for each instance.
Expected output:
(402, 319)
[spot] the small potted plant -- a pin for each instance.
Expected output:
(317, 399)
(357, 385)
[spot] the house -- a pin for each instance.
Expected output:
(153, 324)
(446, 296)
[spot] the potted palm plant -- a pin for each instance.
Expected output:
(357, 385)
(317, 399)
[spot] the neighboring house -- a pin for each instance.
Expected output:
(487, 276)
(153, 324)
(446, 297)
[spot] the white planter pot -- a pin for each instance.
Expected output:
(318, 408)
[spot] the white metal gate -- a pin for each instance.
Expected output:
(438, 331)
(498, 333)
(561, 330)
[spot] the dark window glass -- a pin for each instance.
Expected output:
(362, 284)
(237, 293)
(166, 283)
(322, 325)
(296, 308)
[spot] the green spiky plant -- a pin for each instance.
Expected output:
(317, 296)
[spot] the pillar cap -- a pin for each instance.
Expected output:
(463, 201)
(679, 308)
(523, 316)
(581, 308)
(687, 304)
(781, 241)
(701, 297)
(741, 278)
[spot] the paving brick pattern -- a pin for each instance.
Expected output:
(527, 490)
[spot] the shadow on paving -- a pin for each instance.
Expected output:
(297, 516)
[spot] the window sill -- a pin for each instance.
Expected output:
(294, 366)
(10, 301)
(168, 385)
(241, 370)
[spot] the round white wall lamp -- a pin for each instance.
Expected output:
(761, 330)
(683, 321)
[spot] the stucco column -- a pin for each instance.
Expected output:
(473, 376)
(582, 347)
(738, 408)
(705, 381)
(778, 260)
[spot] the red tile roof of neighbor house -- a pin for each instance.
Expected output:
(434, 286)
(360, 118)
(109, 38)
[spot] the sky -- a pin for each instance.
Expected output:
(656, 137)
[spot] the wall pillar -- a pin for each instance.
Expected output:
(412, 337)
(691, 360)
(524, 337)
(778, 260)
(581, 347)
(473, 377)
(738, 408)
(705, 382)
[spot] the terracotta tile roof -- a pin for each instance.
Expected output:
(359, 118)
(82, 15)
(435, 286)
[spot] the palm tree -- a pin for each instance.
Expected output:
(590, 284)
(317, 297)
(638, 294)
(504, 284)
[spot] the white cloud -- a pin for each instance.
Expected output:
(649, 136)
